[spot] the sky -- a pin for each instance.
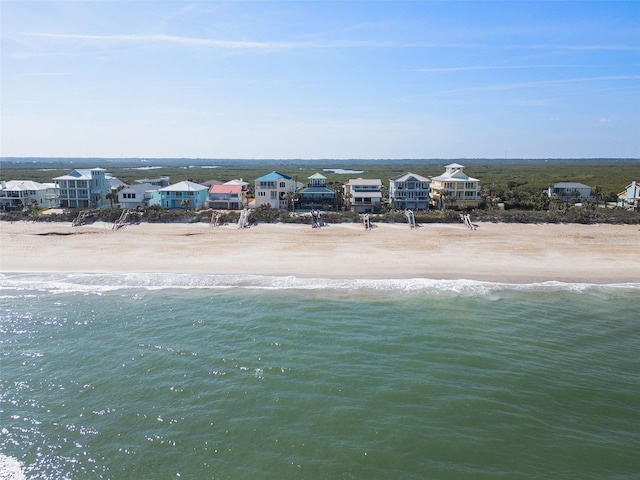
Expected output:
(326, 79)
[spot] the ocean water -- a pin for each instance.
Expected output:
(222, 377)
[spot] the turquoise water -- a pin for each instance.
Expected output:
(181, 376)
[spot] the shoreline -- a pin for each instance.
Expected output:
(494, 252)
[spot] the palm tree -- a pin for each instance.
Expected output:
(111, 196)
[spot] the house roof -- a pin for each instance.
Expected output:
(235, 181)
(184, 186)
(570, 185)
(115, 182)
(406, 177)
(80, 174)
(627, 190)
(226, 188)
(273, 176)
(454, 173)
(317, 176)
(22, 185)
(139, 188)
(77, 174)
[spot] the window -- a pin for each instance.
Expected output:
(262, 194)
(469, 185)
(448, 185)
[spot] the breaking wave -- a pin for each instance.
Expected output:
(103, 282)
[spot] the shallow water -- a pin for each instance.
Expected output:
(200, 376)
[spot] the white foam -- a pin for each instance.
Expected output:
(99, 283)
(10, 468)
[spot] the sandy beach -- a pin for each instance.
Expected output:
(513, 253)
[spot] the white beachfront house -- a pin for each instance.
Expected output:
(455, 189)
(316, 195)
(409, 191)
(272, 189)
(568, 191)
(180, 195)
(363, 195)
(229, 196)
(16, 194)
(134, 196)
(84, 188)
(629, 198)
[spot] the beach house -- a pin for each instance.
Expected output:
(275, 189)
(629, 198)
(363, 195)
(16, 194)
(183, 194)
(316, 195)
(134, 196)
(229, 196)
(83, 188)
(409, 191)
(570, 191)
(454, 189)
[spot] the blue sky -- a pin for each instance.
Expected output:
(330, 79)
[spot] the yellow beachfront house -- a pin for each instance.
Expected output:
(455, 189)
(272, 189)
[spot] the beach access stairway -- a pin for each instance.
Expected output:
(82, 217)
(124, 218)
(410, 218)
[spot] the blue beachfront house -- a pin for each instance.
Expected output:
(84, 188)
(180, 195)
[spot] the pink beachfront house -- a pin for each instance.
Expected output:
(227, 196)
